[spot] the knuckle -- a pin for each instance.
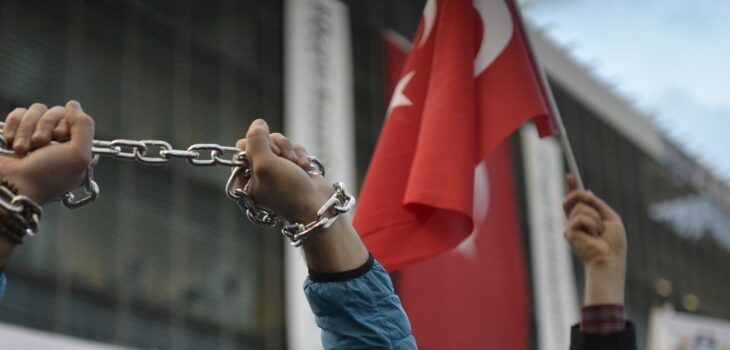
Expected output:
(55, 109)
(299, 150)
(280, 138)
(84, 120)
(17, 113)
(42, 137)
(39, 105)
(241, 144)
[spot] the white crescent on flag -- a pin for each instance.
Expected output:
(429, 17)
(468, 247)
(497, 32)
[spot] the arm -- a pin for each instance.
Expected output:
(597, 235)
(33, 129)
(351, 295)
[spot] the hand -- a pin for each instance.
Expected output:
(280, 182)
(597, 235)
(50, 169)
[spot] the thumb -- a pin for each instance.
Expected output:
(81, 127)
(258, 143)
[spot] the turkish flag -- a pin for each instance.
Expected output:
(469, 81)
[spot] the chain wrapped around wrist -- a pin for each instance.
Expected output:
(19, 215)
(340, 202)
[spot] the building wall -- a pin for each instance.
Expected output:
(162, 259)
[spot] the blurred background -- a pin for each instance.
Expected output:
(164, 260)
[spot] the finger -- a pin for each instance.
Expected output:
(302, 156)
(585, 209)
(602, 207)
(585, 224)
(44, 129)
(285, 145)
(572, 184)
(21, 143)
(241, 144)
(573, 198)
(12, 121)
(579, 239)
(81, 129)
(61, 132)
(258, 144)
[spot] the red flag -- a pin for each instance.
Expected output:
(475, 296)
(468, 83)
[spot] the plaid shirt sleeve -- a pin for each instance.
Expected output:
(602, 319)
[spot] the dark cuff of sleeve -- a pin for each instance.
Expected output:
(344, 275)
(625, 339)
(602, 319)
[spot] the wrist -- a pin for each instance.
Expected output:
(335, 249)
(307, 210)
(604, 285)
(10, 172)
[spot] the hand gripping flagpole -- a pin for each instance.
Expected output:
(564, 142)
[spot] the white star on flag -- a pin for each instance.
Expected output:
(399, 98)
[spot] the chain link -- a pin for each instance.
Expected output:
(340, 202)
(22, 208)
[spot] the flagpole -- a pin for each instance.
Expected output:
(562, 132)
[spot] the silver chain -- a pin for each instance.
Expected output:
(156, 152)
(149, 152)
(340, 202)
(22, 208)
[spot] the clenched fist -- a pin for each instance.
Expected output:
(279, 179)
(47, 170)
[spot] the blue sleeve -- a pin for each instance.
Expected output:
(2, 284)
(359, 310)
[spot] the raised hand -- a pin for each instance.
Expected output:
(280, 182)
(597, 235)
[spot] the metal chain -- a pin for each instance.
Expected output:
(149, 152)
(340, 202)
(22, 208)
(156, 152)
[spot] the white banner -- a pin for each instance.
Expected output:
(20, 338)
(671, 330)
(319, 115)
(554, 291)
